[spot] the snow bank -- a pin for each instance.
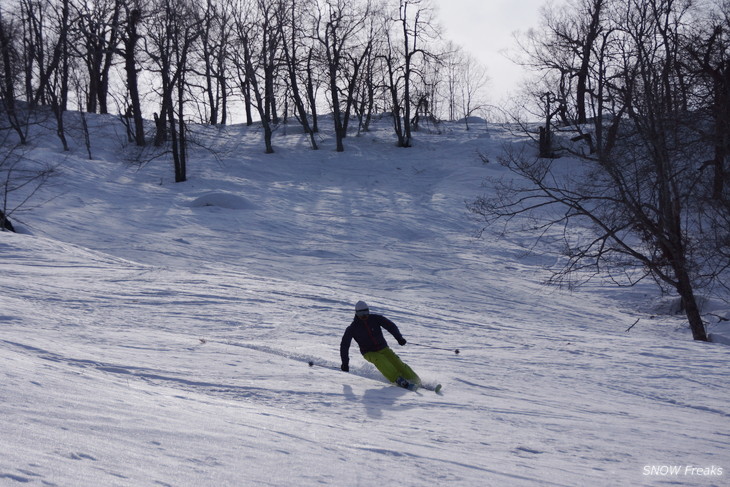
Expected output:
(222, 199)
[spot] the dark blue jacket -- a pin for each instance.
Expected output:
(368, 334)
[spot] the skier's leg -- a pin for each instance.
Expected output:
(402, 368)
(383, 363)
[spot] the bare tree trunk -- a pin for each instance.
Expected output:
(591, 34)
(98, 25)
(332, 43)
(405, 139)
(685, 289)
(7, 94)
(130, 68)
(259, 40)
(56, 84)
(312, 92)
(181, 168)
(170, 42)
(260, 103)
(109, 58)
(339, 34)
(248, 101)
(209, 57)
(289, 46)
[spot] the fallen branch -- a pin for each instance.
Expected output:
(635, 322)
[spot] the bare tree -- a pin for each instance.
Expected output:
(635, 208)
(171, 35)
(393, 81)
(292, 34)
(339, 26)
(98, 26)
(20, 179)
(10, 60)
(565, 47)
(313, 82)
(416, 23)
(213, 55)
(472, 82)
(259, 37)
(46, 56)
(57, 72)
(46, 30)
(452, 60)
(622, 217)
(708, 47)
(412, 27)
(369, 82)
(130, 38)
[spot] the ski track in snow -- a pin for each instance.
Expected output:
(154, 333)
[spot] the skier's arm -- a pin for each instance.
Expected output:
(345, 350)
(393, 330)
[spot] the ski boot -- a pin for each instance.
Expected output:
(404, 383)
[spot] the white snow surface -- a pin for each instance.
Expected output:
(154, 333)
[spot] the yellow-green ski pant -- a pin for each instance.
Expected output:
(391, 366)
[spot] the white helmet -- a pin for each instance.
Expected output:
(361, 308)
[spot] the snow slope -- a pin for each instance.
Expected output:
(154, 333)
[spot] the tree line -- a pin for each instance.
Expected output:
(200, 61)
(638, 93)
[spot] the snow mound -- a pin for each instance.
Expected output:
(717, 338)
(473, 119)
(223, 199)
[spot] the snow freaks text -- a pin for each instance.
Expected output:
(682, 471)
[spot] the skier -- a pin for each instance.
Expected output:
(367, 332)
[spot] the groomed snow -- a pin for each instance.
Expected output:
(154, 333)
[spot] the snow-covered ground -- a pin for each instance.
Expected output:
(154, 333)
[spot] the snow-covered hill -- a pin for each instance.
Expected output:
(154, 333)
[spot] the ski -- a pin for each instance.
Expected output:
(436, 388)
(400, 382)
(412, 386)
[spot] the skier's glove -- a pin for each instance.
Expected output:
(402, 342)
(345, 368)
